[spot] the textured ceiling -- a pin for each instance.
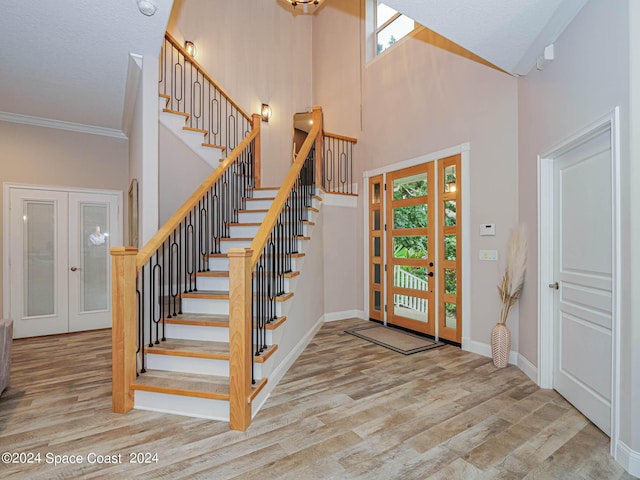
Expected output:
(67, 59)
(511, 34)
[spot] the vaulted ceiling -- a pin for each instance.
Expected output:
(510, 34)
(67, 60)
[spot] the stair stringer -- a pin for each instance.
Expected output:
(305, 314)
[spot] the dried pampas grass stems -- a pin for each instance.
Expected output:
(510, 287)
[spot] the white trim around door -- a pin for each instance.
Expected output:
(609, 122)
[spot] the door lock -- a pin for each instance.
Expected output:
(431, 274)
(73, 269)
(555, 286)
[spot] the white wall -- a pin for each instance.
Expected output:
(588, 79)
(418, 99)
(47, 156)
(259, 53)
(182, 171)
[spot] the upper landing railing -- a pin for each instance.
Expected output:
(191, 90)
(337, 168)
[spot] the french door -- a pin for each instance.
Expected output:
(414, 245)
(60, 269)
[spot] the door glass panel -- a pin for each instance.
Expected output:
(450, 315)
(450, 287)
(376, 300)
(450, 213)
(39, 258)
(413, 216)
(450, 178)
(449, 247)
(410, 187)
(375, 198)
(411, 307)
(376, 220)
(415, 278)
(376, 246)
(94, 271)
(413, 246)
(376, 273)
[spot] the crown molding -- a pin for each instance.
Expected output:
(61, 125)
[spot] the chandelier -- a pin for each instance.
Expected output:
(307, 6)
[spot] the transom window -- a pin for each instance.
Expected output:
(390, 26)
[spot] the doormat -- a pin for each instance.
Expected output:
(393, 339)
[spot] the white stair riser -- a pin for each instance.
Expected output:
(177, 363)
(253, 204)
(251, 217)
(213, 283)
(270, 193)
(182, 405)
(243, 231)
(227, 244)
(197, 332)
(205, 305)
(219, 264)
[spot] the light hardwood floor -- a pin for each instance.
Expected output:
(347, 409)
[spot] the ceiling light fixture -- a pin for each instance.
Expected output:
(307, 6)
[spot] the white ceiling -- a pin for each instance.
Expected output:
(511, 34)
(67, 59)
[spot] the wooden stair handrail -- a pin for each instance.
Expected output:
(340, 137)
(204, 73)
(262, 236)
(170, 225)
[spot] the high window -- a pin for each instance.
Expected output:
(390, 26)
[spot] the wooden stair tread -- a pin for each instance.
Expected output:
(236, 239)
(180, 383)
(259, 210)
(191, 348)
(211, 145)
(267, 188)
(207, 320)
(208, 294)
(245, 224)
(176, 112)
(256, 199)
(213, 273)
(193, 129)
(164, 95)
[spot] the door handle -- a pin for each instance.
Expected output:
(555, 286)
(73, 269)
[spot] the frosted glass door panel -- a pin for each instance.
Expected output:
(93, 229)
(38, 249)
(39, 236)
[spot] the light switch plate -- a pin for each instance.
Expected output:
(487, 229)
(489, 255)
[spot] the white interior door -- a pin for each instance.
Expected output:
(60, 268)
(583, 246)
(93, 225)
(38, 262)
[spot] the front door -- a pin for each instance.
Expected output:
(583, 246)
(59, 262)
(411, 249)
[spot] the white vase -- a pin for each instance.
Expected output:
(500, 345)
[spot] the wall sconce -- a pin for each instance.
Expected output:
(191, 49)
(265, 112)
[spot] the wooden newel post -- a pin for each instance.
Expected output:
(240, 331)
(123, 330)
(316, 116)
(257, 162)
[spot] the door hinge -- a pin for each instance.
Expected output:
(385, 308)
(385, 227)
(385, 267)
(385, 187)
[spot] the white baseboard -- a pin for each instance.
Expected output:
(529, 369)
(629, 459)
(335, 316)
(279, 372)
(484, 349)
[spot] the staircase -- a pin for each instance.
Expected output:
(188, 373)
(200, 310)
